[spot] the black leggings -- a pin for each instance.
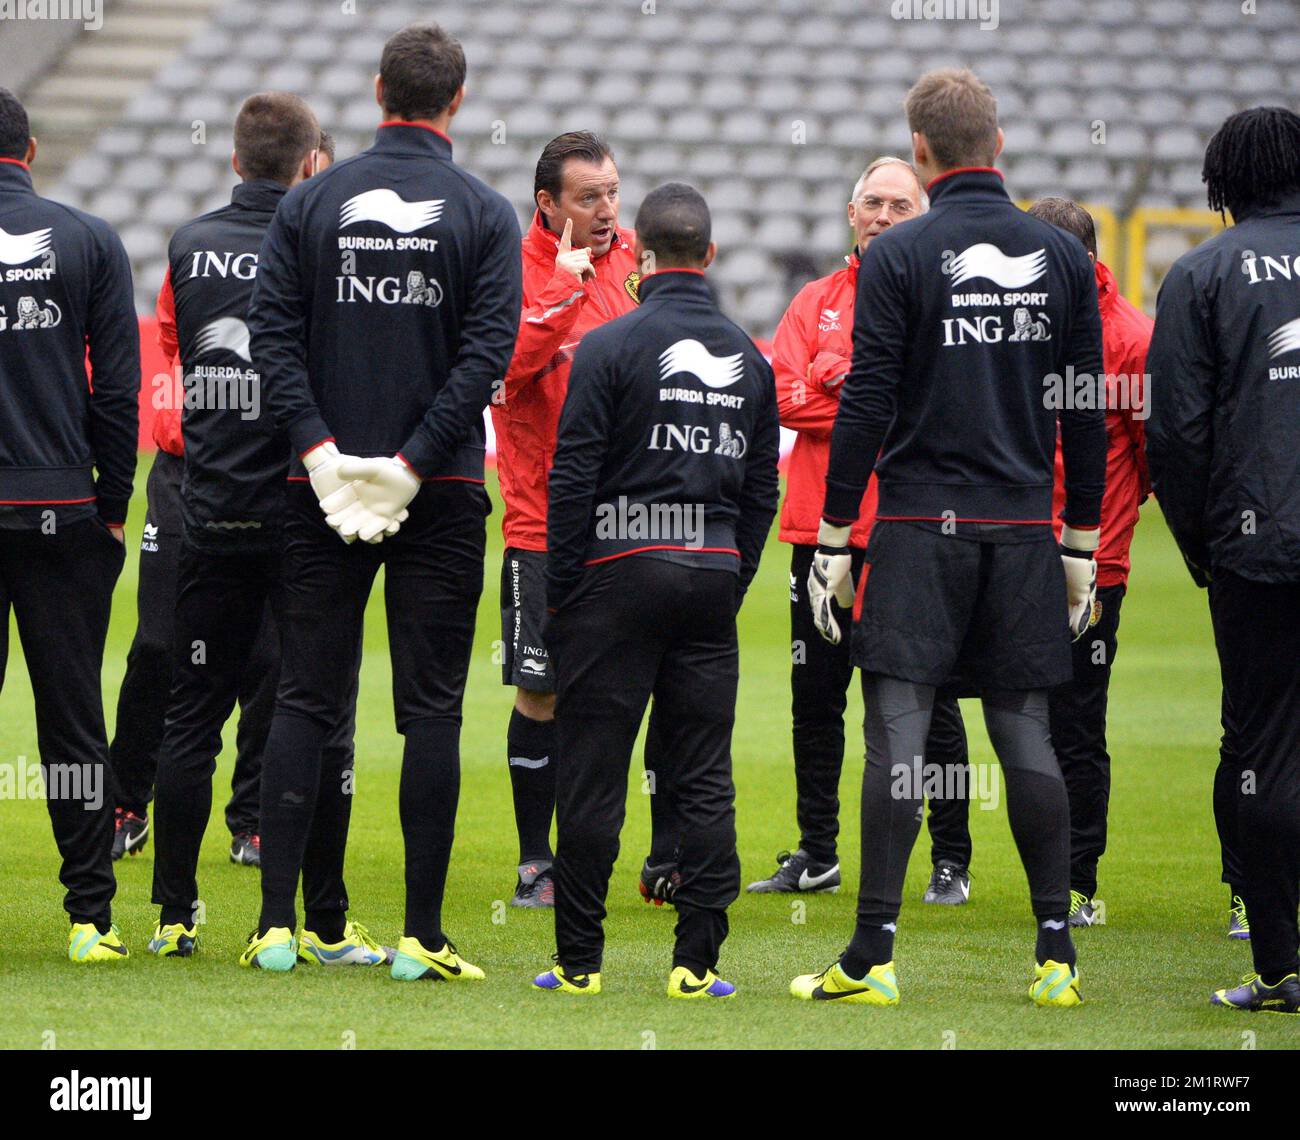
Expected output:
(897, 726)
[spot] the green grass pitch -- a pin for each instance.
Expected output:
(964, 972)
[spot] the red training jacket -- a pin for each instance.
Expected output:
(557, 313)
(1126, 335)
(811, 353)
(167, 419)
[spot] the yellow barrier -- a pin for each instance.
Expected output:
(1141, 277)
(1108, 230)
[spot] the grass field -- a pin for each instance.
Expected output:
(964, 971)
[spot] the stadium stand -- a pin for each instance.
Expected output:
(770, 106)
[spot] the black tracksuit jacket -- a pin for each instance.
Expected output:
(236, 460)
(670, 422)
(1223, 438)
(65, 289)
(963, 317)
(387, 301)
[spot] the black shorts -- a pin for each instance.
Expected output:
(961, 613)
(524, 661)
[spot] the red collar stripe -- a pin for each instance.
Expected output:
(963, 170)
(17, 162)
(410, 123)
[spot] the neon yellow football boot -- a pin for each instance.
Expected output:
(684, 984)
(1056, 984)
(356, 948)
(174, 940)
(413, 962)
(879, 987)
(86, 944)
(275, 951)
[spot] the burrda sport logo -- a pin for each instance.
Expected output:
(691, 356)
(987, 261)
(228, 333)
(1285, 339)
(389, 209)
(19, 249)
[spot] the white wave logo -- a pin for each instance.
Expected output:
(391, 210)
(18, 249)
(1284, 340)
(228, 333)
(691, 356)
(985, 260)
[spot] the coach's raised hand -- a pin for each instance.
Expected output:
(575, 261)
(831, 577)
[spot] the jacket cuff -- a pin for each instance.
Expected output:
(829, 370)
(308, 431)
(112, 511)
(420, 456)
(842, 504)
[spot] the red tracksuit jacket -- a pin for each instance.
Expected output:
(557, 313)
(811, 354)
(1126, 335)
(167, 420)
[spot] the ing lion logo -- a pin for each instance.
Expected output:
(633, 286)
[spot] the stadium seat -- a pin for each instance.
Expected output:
(710, 90)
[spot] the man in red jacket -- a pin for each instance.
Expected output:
(580, 272)
(1078, 708)
(810, 355)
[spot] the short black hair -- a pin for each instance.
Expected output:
(422, 68)
(326, 145)
(1253, 159)
(674, 224)
(274, 132)
(586, 146)
(1069, 216)
(15, 130)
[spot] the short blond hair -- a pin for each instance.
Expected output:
(958, 115)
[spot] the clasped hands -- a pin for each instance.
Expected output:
(361, 498)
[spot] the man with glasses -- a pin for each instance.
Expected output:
(810, 355)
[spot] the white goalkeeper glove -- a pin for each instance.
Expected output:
(334, 493)
(1078, 548)
(831, 578)
(383, 487)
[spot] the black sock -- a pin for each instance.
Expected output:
(663, 829)
(1054, 939)
(176, 914)
(530, 748)
(872, 945)
(290, 779)
(327, 925)
(430, 789)
(1272, 980)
